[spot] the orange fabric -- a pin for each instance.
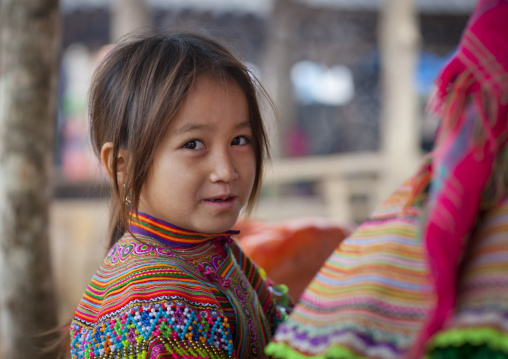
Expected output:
(291, 252)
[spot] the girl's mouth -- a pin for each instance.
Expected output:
(222, 199)
(222, 203)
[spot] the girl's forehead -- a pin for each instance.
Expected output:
(212, 103)
(221, 85)
(206, 90)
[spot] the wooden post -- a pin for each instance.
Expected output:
(400, 136)
(128, 16)
(336, 193)
(276, 69)
(29, 57)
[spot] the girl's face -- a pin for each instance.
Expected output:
(204, 168)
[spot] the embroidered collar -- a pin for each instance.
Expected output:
(169, 234)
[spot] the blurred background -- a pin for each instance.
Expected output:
(349, 78)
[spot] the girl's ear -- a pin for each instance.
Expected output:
(107, 162)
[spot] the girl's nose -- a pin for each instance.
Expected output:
(223, 169)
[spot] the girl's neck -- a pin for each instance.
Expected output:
(170, 235)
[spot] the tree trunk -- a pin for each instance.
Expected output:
(128, 16)
(399, 45)
(29, 43)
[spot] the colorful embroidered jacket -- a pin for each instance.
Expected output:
(170, 293)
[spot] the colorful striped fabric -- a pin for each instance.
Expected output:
(480, 322)
(429, 276)
(163, 292)
(372, 295)
(170, 235)
(472, 102)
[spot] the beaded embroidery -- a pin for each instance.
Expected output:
(203, 333)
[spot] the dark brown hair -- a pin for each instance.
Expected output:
(138, 89)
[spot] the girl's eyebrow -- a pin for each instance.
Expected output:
(190, 128)
(242, 125)
(204, 126)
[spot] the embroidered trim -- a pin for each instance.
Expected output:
(212, 276)
(168, 234)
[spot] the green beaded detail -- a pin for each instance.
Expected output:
(468, 343)
(282, 350)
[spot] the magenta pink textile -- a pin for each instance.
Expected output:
(474, 81)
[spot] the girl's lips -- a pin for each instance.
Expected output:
(223, 203)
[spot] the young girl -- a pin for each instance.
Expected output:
(175, 122)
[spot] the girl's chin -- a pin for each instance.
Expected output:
(217, 226)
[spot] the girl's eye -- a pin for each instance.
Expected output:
(194, 145)
(240, 141)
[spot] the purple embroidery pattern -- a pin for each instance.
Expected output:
(156, 350)
(212, 276)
